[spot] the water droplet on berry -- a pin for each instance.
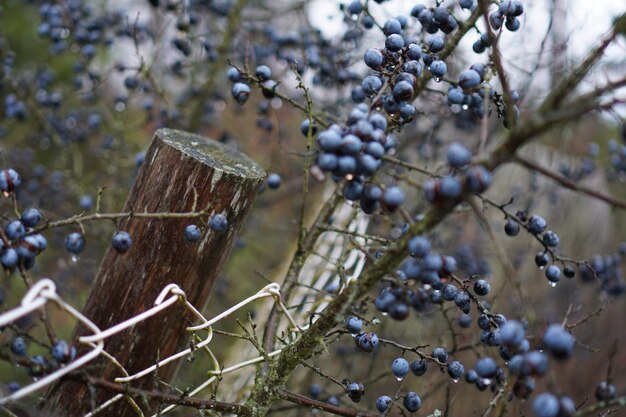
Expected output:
(552, 284)
(455, 380)
(74, 258)
(399, 378)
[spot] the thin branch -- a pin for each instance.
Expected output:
(593, 409)
(509, 269)
(320, 405)
(238, 409)
(569, 184)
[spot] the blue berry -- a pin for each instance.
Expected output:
(418, 246)
(327, 161)
(315, 390)
(435, 44)
(304, 128)
(438, 68)
(399, 310)
(400, 367)
(371, 84)
(478, 179)
(383, 403)
(355, 390)
(367, 341)
(440, 354)
(384, 301)
(605, 391)
(393, 197)
(30, 217)
(456, 370)
(455, 96)
(553, 273)
(511, 227)
(551, 239)
(394, 42)
(63, 352)
(486, 367)
(412, 402)
(496, 20)
(458, 155)
(273, 181)
(263, 72)
(462, 301)
(482, 287)
(131, 82)
(536, 224)
(354, 325)
(432, 262)
(465, 321)
(512, 24)
(450, 187)
(329, 140)
(332, 400)
(546, 405)
(241, 92)
(392, 26)
(219, 223)
(233, 74)
(559, 342)
(9, 181)
(418, 367)
(355, 7)
(449, 292)
(469, 79)
(541, 259)
(9, 258)
(192, 233)
(512, 333)
(414, 52)
(15, 230)
(403, 90)
(86, 202)
(373, 58)
(471, 376)
(121, 241)
(18, 346)
(75, 243)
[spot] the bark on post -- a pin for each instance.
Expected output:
(177, 163)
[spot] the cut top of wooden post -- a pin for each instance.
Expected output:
(182, 172)
(211, 153)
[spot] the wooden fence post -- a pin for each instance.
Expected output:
(179, 168)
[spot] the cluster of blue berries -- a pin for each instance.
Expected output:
(617, 154)
(19, 245)
(477, 177)
(607, 270)
(38, 366)
(536, 225)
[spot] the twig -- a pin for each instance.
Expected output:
(569, 184)
(329, 408)
(219, 406)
